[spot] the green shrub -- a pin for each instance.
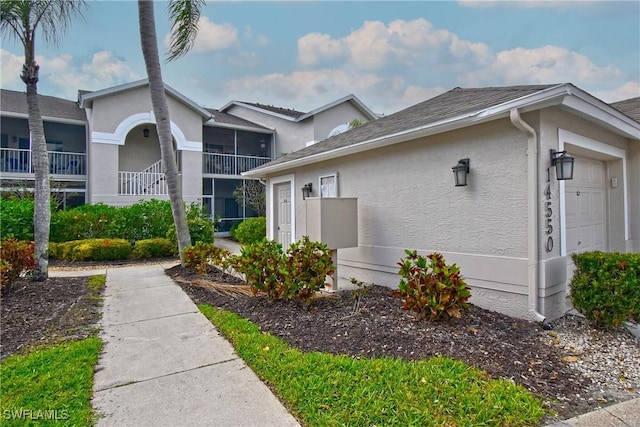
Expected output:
(298, 273)
(606, 287)
(431, 288)
(16, 257)
(307, 265)
(63, 250)
(202, 255)
(16, 219)
(152, 248)
(262, 264)
(84, 222)
(200, 229)
(146, 219)
(101, 249)
(251, 230)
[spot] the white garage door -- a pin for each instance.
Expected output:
(586, 213)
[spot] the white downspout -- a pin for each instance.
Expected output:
(532, 217)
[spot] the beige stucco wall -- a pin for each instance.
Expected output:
(555, 119)
(290, 136)
(407, 200)
(633, 170)
(104, 180)
(325, 121)
(136, 152)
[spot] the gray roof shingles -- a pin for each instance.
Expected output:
(453, 103)
(50, 107)
(629, 107)
(279, 110)
(228, 119)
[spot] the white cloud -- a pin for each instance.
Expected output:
(211, 36)
(10, 69)
(548, 64)
(103, 71)
(306, 90)
(315, 48)
(376, 46)
(625, 91)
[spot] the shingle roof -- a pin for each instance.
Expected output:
(456, 102)
(630, 107)
(50, 107)
(228, 119)
(279, 110)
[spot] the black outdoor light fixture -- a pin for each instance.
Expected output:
(306, 190)
(145, 132)
(563, 164)
(460, 172)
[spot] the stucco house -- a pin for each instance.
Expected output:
(513, 226)
(104, 148)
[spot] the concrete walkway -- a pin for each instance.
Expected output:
(164, 364)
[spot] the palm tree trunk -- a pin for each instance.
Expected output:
(163, 123)
(40, 162)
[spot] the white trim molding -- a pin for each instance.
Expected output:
(119, 136)
(290, 178)
(567, 137)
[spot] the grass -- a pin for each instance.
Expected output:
(328, 390)
(50, 386)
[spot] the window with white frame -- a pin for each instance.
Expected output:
(329, 185)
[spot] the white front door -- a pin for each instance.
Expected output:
(586, 209)
(283, 231)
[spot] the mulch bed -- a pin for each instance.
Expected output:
(503, 346)
(42, 313)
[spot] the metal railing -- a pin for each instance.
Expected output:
(15, 160)
(230, 164)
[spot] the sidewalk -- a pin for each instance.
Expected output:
(164, 364)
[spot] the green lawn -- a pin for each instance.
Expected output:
(327, 390)
(49, 386)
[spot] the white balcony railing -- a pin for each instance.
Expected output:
(230, 164)
(14, 160)
(149, 182)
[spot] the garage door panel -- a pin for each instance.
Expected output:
(585, 209)
(573, 236)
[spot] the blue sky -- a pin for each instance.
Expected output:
(390, 54)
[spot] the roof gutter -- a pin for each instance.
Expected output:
(532, 215)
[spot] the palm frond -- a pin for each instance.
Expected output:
(185, 17)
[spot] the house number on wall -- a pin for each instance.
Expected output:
(548, 213)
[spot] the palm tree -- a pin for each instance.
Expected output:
(20, 19)
(184, 17)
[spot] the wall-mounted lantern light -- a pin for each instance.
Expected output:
(145, 132)
(306, 190)
(460, 172)
(563, 164)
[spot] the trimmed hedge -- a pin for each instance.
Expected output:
(91, 249)
(606, 287)
(153, 248)
(251, 230)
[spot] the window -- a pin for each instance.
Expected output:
(329, 185)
